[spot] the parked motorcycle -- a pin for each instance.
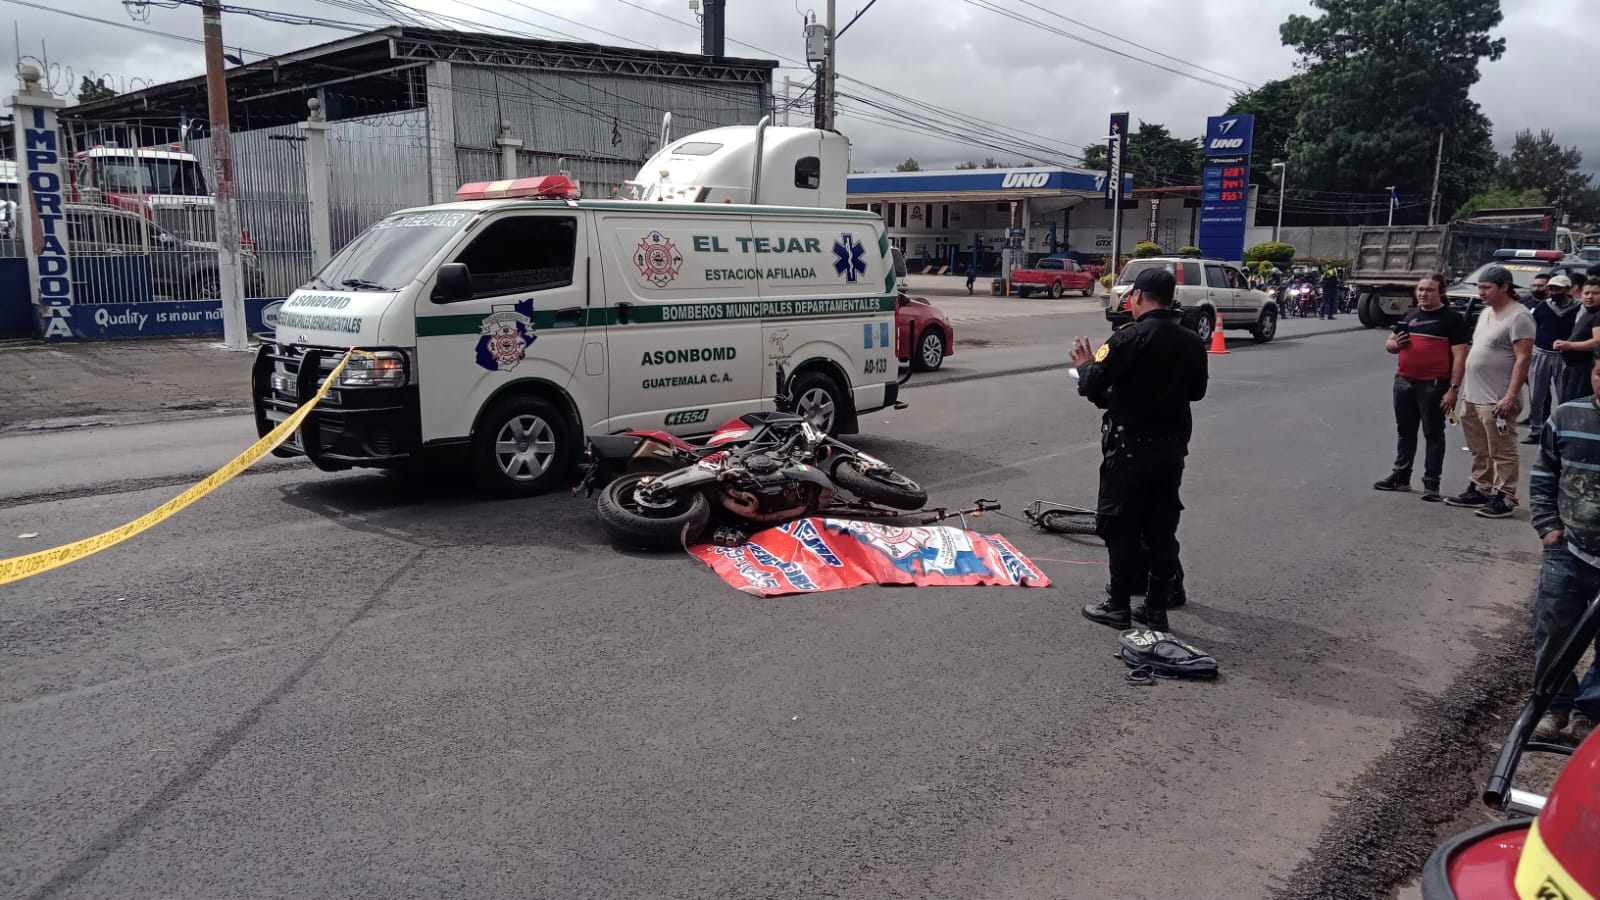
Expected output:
(660, 491)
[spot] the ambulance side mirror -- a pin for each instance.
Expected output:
(453, 284)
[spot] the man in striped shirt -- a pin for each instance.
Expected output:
(1564, 505)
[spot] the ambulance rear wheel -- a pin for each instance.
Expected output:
(818, 398)
(523, 446)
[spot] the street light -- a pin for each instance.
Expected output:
(1283, 188)
(1391, 205)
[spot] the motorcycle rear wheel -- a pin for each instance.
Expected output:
(637, 525)
(887, 487)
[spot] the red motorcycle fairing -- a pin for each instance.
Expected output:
(1480, 864)
(664, 437)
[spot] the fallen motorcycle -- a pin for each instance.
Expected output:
(658, 491)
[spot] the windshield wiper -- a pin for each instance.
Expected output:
(362, 284)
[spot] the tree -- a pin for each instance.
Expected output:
(1276, 106)
(969, 164)
(910, 165)
(1275, 252)
(1499, 196)
(1145, 249)
(1153, 157)
(989, 163)
(1542, 165)
(1383, 80)
(90, 90)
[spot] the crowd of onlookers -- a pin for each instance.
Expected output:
(1546, 342)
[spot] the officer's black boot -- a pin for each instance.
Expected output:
(1113, 610)
(1152, 613)
(1177, 597)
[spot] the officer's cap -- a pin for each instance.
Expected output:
(1157, 282)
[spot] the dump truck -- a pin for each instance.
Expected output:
(1389, 260)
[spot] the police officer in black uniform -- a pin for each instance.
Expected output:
(1144, 378)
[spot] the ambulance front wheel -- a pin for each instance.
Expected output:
(523, 446)
(818, 398)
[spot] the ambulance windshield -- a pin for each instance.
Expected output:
(388, 255)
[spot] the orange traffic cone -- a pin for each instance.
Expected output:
(1218, 345)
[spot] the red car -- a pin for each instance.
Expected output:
(923, 334)
(1053, 276)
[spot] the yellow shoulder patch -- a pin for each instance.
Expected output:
(1101, 353)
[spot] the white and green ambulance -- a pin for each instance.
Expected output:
(506, 329)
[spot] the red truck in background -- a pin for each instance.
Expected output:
(1054, 276)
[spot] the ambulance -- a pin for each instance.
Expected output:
(502, 328)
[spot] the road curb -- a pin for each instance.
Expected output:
(105, 420)
(1388, 826)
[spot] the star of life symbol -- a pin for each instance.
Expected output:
(658, 259)
(505, 337)
(848, 259)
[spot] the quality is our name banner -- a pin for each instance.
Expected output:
(818, 554)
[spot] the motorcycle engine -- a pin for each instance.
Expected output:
(765, 493)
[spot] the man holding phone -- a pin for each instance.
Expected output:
(1431, 341)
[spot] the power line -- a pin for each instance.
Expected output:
(1143, 47)
(1019, 17)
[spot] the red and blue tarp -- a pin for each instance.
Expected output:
(818, 554)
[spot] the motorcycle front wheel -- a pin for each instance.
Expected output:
(636, 523)
(878, 486)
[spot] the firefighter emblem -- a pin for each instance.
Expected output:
(658, 259)
(506, 335)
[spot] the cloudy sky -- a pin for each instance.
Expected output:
(1025, 81)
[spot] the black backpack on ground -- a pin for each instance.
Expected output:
(1159, 654)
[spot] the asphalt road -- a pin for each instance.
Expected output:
(358, 685)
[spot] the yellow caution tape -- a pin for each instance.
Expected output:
(20, 567)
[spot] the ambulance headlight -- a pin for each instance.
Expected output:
(379, 368)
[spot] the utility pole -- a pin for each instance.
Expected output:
(1283, 188)
(831, 68)
(1391, 205)
(1433, 204)
(227, 214)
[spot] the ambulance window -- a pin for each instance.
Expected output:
(522, 253)
(808, 173)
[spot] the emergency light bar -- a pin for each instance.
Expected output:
(1553, 255)
(547, 187)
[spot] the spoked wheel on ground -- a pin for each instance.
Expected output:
(930, 351)
(1266, 327)
(819, 399)
(1064, 521)
(877, 486)
(1055, 290)
(639, 519)
(1205, 322)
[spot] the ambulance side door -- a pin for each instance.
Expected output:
(525, 319)
(683, 320)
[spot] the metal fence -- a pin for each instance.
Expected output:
(141, 211)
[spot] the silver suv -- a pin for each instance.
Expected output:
(1209, 291)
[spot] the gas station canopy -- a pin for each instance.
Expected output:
(976, 185)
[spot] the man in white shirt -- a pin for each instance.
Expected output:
(1497, 369)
